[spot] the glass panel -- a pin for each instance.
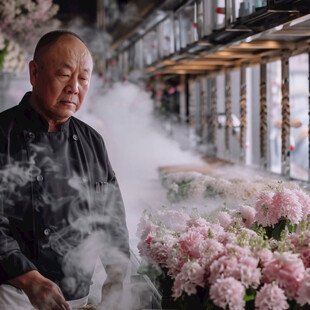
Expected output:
(253, 118)
(299, 116)
(274, 97)
(240, 8)
(166, 38)
(150, 46)
(209, 16)
(192, 111)
(200, 21)
(188, 24)
(220, 14)
(177, 35)
(244, 8)
(131, 58)
(138, 55)
(220, 134)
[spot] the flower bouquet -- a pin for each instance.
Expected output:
(12, 57)
(248, 258)
(20, 19)
(22, 22)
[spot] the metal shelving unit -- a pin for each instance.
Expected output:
(189, 39)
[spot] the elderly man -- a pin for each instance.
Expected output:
(60, 204)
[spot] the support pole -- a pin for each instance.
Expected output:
(214, 121)
(243, 112)
(285, 103)
(263, 114)
(228, 126)
(309, 116)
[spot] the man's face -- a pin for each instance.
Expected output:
(60, 78)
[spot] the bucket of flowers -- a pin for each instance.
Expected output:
(248, 258)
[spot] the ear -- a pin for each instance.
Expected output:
(33, 71)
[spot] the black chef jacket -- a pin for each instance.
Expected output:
(60, 204)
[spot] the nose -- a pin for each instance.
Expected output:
(73, 86)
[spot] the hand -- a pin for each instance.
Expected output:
(42, 292)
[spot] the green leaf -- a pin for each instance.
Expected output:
(279, 227)
(248, 297)
(293, 305)
(2, 54)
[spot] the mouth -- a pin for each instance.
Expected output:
(67, 102)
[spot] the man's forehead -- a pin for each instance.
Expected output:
(66, 45)
(68, 56)
(71, 43)
(85, 66)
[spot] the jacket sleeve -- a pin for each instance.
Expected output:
(12, 261)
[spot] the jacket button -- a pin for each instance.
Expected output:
(39, 178)
(75, 137)
(47, 232)
(31, 135)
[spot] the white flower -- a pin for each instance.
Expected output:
(14, 58)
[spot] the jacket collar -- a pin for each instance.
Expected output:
(32, 120)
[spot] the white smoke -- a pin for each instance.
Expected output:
(123, 115)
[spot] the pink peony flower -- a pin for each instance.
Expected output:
(272, 207)
(175, 262)
(286, 205)
(198, 222)
(303, 294)
(304, 200)
(225, 219)
(217, 231)
(287, 269)
(160, 248)
(205, 228)
(271, 297)
(249, 232)
(225, 266)
(146, 238)
(265, 215)
(237, 262)
(145, 227)
(301, 242)
(294, 239)
(192, 243)
(191, 275)
(250, 274)
(238, 251)
(265, 256)
(228, 292)
(211, 252)
(304, 253)
(248, 215)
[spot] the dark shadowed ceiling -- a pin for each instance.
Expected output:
(69, 9)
